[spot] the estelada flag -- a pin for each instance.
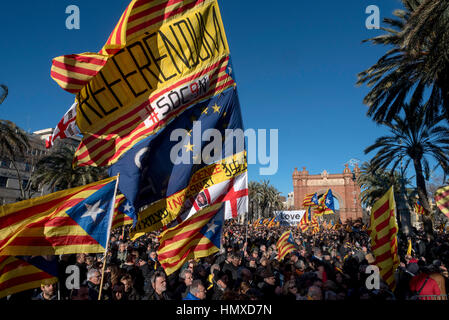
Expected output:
(285, 245)
(383, 231)
(419, 209)
(310, 200)
(305, 220)
(75, 220)
(327, 202)
(197, 237)
(20, 273)
(124, 213)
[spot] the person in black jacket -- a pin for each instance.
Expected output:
(158, 290)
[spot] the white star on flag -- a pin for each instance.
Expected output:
(211, 226)
(328, 201)
(93, 210)
(127, 207)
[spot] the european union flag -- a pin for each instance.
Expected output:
(162, 164)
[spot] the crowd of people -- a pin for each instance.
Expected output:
(327, 265)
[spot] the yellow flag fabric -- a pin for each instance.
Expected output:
(162, 57)
(409, 249)
(383, 233)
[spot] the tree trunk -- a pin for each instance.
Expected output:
(422, 193)
(403, 210)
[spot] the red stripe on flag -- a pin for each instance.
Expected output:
(382, 209)
(14, 265)
(86, 59)
(66, 79)
(24, 279)
(150, 10)
(200, 247)
(51, 241)
(80, 70)
(162, 17)
(194, 220)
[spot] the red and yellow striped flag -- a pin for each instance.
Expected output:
(419, 209)
(383, 231)
(158, 49)
(194, 238)
(69, 221)
(442, 200)
(20, 274)
(120, 218)
(305, 220)
(285, 245)
(308, 200)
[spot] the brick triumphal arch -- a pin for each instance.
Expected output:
(344, 188)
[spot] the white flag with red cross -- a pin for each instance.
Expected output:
(66, 127)
(233, 192)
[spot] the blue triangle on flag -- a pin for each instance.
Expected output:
(213, 229)
(92, 214)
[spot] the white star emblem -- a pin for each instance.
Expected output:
(93, 210)
(328, 201)
(211, 226)
(127, 207)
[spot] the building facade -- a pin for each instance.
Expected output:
(24, 166)
(344, 187)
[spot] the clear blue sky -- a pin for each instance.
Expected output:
(295, 61)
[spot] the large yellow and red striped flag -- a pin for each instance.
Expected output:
(442, 200)
(18, 274)
(194, 238)
(383, 231)
(285, 245)
(162, 57)
(76, 220)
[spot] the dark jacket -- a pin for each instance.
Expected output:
(268, 291)
(152, 295)
(181, 291)
(217, 293)
(231, 270)
(93, 290)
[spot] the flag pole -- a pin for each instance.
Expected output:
(111, 216)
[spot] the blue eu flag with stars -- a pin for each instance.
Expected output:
(147, 172)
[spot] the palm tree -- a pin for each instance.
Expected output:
(375, 182)
(56, 171)
(263, 199)
(415, 136)
(416, 64)
(253, 196)
(426, 36)
(13, 145)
